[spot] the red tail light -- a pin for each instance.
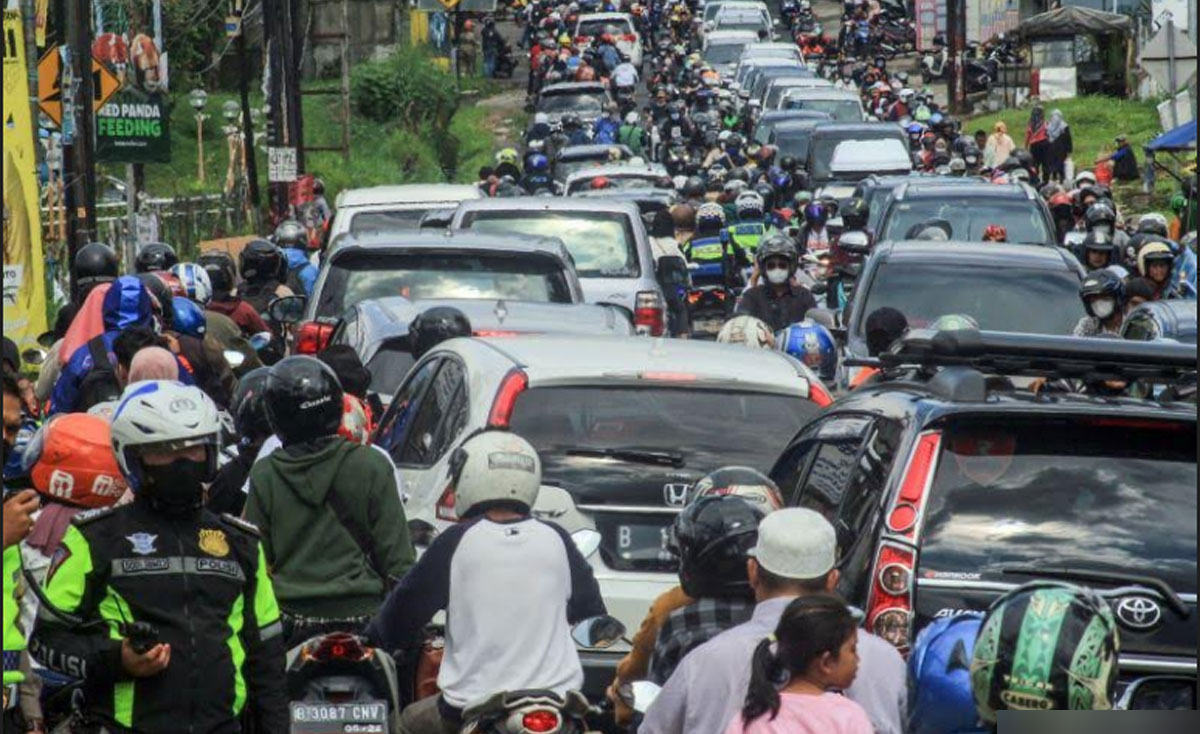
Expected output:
(337, 646)
(445, 506)
(819, 395)
(693, 297)
(580, 40)
(629, 37)
(541, 720)
(648, 314)
(514, 383)
(312, 337)
(496, 332)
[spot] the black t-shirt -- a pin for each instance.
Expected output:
(778, 311)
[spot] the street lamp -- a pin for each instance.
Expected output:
(197, 98)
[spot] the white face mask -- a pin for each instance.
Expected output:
(1103, 307)
(777, 276)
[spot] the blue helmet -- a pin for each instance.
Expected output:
(813, 345)
(188, 318)
(939, 677)
(538, 162)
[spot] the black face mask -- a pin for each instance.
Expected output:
(175, 488)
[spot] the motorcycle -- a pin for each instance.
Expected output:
(337, 682)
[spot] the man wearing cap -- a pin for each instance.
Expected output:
(1124, 160)
(795, 556)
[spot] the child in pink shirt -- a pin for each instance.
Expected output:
(814, 649)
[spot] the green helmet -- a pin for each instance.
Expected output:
(1045, 646)
(1178, 203)
(955, 322)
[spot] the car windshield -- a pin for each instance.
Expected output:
(582, 104)
(387, 221)
(1104, 494)
(564, 168)
(820, 154)
(776, 92)
(841, 110)
(601, 243)
(998, 297)
(591, 28)
(793, 142)
(359, 276)
(627, 182)
(969, 217)
(740, 22)
(724, 53)
(776, 52)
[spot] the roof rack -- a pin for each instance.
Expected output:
(1035, 355)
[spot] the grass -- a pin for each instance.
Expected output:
(1094, 122)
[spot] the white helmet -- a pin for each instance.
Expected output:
(494, 466)
(163, 415)
(541, 118)
(747, 330)
(196, 283)
(749, 203)
(906, 95)
(631, 118)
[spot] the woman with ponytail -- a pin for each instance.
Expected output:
(797, 674)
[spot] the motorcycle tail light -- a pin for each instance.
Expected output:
(693, 297)
(338, 646)
(541, 721)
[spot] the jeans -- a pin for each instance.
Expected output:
(489, 64)
(423, 717)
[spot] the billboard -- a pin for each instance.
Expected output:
(133, 127)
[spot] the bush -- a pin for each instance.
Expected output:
(406, 88)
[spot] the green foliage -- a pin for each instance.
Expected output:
(406, 88)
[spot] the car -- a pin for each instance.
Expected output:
(843, 105)
(586, 99)
(947, 487)
(620, 176)
(760, 77)
(711, 9)
(391, 208)
(607, 240)
(756, 20)
(875, 190)
(744, 67)
(377, 328)
(427, 265)
(778, 86)
(854, 160)
(722, 49)
(792, 137)
(1003, 287)
(827, 136)
(769, 50)
(575, 157)
(969, 208)
(620, 25)
(623, 426)
(1175, 320)
(771, 119)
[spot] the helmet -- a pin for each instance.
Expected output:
(1153, 223)
(694, 187)
(1084, 178)
(160, 294)
(356, 425)
(538, 162)
(855, 213)
(749, 205)
(163, 415)
(631, 118)
(739, 481)
(494, 467)
(508, 155)
(187, 318)
(248, 408)
(70, 460)
(740, 173)
(303, 399)
(599, 183)
(767, 193)
(788, 162)
(541, 118)
(1179, 202)
(1154, 252)
(195, 282)
(746, 330)
(1099, 213)
(1069, 629)
(291, 233)
(958, 165)
(710, 216)
(939, 676)
(1102, 283)
(434, 326)
(155, 256)
(260, 260)
(95, 263)
(815, 214)
(221, 270)
(713, 537)
(813, 345)
(955, 322)
(734, 186)
(776, 245)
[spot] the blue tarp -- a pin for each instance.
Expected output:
(1181, 138)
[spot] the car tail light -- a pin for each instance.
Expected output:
(513, 384)
(445, 506)
(889, 608)
(580, 40)
(648, 314)
(818, 394)
(916, 482)
(312, 337)
(693, 297)
(496, 332)
(670, 376)
(541, 721)
(629, 38)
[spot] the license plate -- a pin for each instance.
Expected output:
(644, 542)
(364, 717)
(708, 326)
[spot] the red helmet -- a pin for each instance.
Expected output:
(70, 460)
(995, 233)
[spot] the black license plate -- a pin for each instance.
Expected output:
(363, 717)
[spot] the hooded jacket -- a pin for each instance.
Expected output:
(318, 567)
(300, 270)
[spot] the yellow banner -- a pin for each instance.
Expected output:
(24, 282)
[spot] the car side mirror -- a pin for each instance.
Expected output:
(598, 633)
(287, 310)
(855, 243)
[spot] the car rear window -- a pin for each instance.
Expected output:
(793, 142)
(357, 277)
(820, 154)
(969, 216)
(601, 243)
(724, 53)
(841, 110)
(617, 27)
(999, 298)
(1104, 494)
(581, 104)
(387, 221)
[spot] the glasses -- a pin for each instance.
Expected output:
(775, 265)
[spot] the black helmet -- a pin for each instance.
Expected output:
(434, 326)
(1100, 212)
(221, 269)
(855, 213)
(291, 233)
(767, 192)
(155, 256)
(713, 537)
(1010, 164)
(1153, 223)
(788, 163)
(260, 261)
(1099, 283)
(249, 408)
(739, 174)
(161, 292)
(303, 399)
(693, 187)
(738, 481)
(95, 263)
(776, 245)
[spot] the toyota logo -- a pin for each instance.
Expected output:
(1138, 612)
(675, 495)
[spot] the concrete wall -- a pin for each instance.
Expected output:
(376, 26)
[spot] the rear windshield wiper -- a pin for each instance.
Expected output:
(1164, 589)
(633, 456)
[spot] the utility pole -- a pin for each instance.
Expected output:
(295, 101)
(273, 35)
(955, 38)
(247, 122)
(83, 148)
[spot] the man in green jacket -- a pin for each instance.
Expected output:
(332, 523)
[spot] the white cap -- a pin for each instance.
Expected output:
(796, 544)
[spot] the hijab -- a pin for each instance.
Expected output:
(1057, 125)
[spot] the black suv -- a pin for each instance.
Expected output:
(947, 486)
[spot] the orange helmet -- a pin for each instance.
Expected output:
(356, 420)
(70, 460)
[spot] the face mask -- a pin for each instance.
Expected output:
(175, 488)
(777, 276)
(1103, 307)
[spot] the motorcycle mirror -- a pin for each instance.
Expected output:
(33, 356)
(598, 632)
(644, 694)
(234, 358)
(287, 310)
(46, 339)
(855, 242)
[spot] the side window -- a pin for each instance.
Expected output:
(814, 472)
(394, 427)
(861, 502)
(826, 482)
(428, 438)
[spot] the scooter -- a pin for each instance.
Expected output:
(337, 683)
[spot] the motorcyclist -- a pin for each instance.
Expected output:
(199, 578)
(500, 574)
(814, 235)
(812, 344)
(537, 175)
(1104, 299)
(1097, 252)
(333, 526)
(263, 269)
(751, 226)
(154, 256)
(292, 239)
(227, 493)
(779, 302)
(633, 134)
(574, 130)
(939, 676)
(1156, 261)
(707, 247)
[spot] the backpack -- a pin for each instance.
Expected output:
(100, 384)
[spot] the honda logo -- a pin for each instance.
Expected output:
(676, 495)
(1138, 612)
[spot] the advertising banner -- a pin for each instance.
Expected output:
(24, 282)
(133, 126)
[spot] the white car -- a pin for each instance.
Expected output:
(624, 426)
(722, 49)
(620, 176)
(629, 41)
(392, 208)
